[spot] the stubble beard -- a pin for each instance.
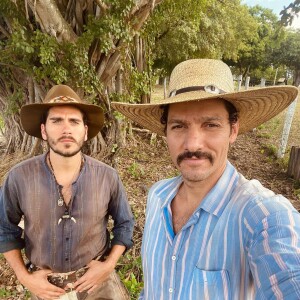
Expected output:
(196, 175)
(66, 152)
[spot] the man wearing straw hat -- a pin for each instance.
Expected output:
(66, 198)
(210, 233)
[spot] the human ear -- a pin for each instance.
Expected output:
(43, 132)
(234, 132)
(86, 133)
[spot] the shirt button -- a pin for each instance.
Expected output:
(173, 257)
(67, 259)
(170, 290)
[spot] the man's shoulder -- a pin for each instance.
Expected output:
(165, 185)
(253, 195)
(95, 163)
(29, 162)
(252, 187)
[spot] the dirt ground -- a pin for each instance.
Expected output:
(145, 161)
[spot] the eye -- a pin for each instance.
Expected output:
(75, 121)
(176, 126)
(56, 121)
(212, 125)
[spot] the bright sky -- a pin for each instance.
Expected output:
(276, 5)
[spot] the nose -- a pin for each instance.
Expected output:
(66, 128)
(194, 139)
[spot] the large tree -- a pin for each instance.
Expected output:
(86, 44)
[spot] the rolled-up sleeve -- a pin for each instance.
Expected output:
(120, 211)
(10, 216)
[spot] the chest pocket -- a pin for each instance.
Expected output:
(210, 285)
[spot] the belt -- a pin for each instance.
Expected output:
(63, 279)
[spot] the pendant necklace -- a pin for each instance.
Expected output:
(60, 201)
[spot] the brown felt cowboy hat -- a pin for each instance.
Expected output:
(200, 79)
(59, 95)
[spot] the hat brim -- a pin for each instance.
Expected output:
(31, 116)
(254, 106)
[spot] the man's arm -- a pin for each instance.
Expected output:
(120, 211)
(274, 250)
(15, 260)
(36, 282)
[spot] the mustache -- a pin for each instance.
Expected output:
(197, 154)
(67, 137)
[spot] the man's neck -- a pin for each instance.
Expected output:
(64, 164)
(196, 191)
(193, 192)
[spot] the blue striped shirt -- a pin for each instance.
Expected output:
(242, 242)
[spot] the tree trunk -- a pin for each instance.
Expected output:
(296, 78)
(51, 20)
(294, 163)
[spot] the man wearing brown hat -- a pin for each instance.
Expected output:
(66, 198)
(210, 233)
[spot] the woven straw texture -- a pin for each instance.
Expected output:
(255, 106)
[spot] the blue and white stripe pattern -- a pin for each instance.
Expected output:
(242, 242)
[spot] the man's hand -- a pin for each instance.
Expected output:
(38, 285)
(35, 282)
(97, 273)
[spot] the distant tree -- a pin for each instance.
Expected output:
(255, 51)
(290, 12)
(224, 28)
(182, 29)
(288, 54)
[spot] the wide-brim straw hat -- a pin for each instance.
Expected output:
(60, 95)
(201, 79)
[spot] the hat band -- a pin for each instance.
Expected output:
(212, 89)
(63, 99)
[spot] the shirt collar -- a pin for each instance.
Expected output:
(218, 197)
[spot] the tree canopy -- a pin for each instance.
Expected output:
(185, 29)
(114, 50)
(257, 47)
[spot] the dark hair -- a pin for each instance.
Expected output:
(232, 112)
(164, 116)
(44, 116)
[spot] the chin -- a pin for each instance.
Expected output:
(66, 153)
(194, 177)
